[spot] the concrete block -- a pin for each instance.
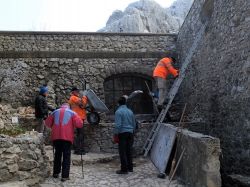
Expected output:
(200, 165)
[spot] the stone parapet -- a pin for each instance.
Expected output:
(85, 42)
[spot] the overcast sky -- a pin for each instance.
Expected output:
(60, 15)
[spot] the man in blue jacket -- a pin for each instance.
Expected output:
(124, 127)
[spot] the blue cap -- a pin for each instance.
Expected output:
(43, 90)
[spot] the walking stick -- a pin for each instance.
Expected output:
(81, 145)
(82, 165)
(53, 147)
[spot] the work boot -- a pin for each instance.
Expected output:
(65, 179)
(121, 172)
(165, 102)
(161, 175)
(159, 107)
(55, 175)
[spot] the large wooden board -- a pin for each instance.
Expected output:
(162, 146)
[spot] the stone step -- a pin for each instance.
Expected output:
(88, 158)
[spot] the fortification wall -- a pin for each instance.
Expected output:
(216, 86)
(30, 59)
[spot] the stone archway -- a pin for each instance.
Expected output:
(124, 84)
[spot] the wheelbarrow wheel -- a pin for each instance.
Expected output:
(93, 118)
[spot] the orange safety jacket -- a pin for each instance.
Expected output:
(164, 68)
(78, 105)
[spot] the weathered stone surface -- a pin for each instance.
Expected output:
(103, 175)
(201, 158)
(216, 86)
(56, 64)
(5, 175)
(24, 175)
(25, 165)
(99, 139)
(4, 143)
(14, 184)
(1, 124)
(13, 168)
(29, 155)
(14, 149)
(19, 162)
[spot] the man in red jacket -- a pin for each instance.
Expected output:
(62, 122)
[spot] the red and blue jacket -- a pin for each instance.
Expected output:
(63, 121)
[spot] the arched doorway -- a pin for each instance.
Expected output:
(124, 84)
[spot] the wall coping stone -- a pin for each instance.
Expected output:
(85, 54)
(84, 33)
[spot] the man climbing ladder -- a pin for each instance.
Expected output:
(162, 70)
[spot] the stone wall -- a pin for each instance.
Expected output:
(25, 116)
(30, 59)
(12, 42)
(23, 159)
(216, 86)
(99, 138)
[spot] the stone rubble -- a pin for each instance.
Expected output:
(23, 158)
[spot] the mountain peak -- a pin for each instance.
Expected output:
(147, 16)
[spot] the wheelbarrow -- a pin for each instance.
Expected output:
(94, 107)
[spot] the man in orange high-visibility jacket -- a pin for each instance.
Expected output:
(162, 70)
(78, 105)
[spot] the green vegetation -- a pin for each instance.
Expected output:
(14, 131)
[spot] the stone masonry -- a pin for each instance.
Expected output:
(99, 138)
(60, 59)
(23, 159)
(216, 86)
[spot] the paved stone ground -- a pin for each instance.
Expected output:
(103, 175)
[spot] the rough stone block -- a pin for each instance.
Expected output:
(25, 165)
(200, 165)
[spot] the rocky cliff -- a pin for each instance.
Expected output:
(147, 16)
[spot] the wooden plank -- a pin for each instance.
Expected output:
(162, 146)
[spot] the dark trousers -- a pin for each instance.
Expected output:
(79, 140)
(126, 140)
(62, 149)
